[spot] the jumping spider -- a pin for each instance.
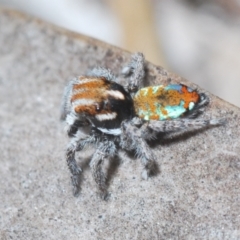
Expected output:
(125, 117)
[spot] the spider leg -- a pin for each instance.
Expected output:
(182, 124)
(132, 139)
(74, 123)
(77, 143)
(105, 150)
(102, 72)
(97, 172)
(147, 157)
(135, 69)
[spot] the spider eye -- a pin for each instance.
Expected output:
(104, 105)
(98, 106)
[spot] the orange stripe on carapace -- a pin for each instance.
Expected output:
(90, 110)
(90, 90)
(93, 82)
(88, 94)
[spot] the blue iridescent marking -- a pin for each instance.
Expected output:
(175, 111)
(176, 87)
(190, 89)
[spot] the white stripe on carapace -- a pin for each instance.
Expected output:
(116, 94)
(83, 101)
(106, 116)
(79, 90)
(114, 131)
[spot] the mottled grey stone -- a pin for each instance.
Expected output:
(195, 195)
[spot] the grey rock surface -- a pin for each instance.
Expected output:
(195, 195)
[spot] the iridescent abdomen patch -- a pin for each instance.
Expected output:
(165, 102)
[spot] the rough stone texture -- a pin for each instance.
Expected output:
(194, 196)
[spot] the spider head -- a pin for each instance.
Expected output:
(104, 103)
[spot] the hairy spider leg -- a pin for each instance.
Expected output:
(182, 124)
(105, 151)
(132, 139)
(102, 72)
(77, 143)
(135, 69)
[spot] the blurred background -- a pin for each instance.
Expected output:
(197, 39)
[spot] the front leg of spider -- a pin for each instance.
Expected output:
(105, 151)
(76, 144)
(102, 72)
(135, 71)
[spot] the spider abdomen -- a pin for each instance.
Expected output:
(166, 102)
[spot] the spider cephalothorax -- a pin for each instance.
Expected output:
(125, 117)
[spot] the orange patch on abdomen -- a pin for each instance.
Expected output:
(189, 96)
